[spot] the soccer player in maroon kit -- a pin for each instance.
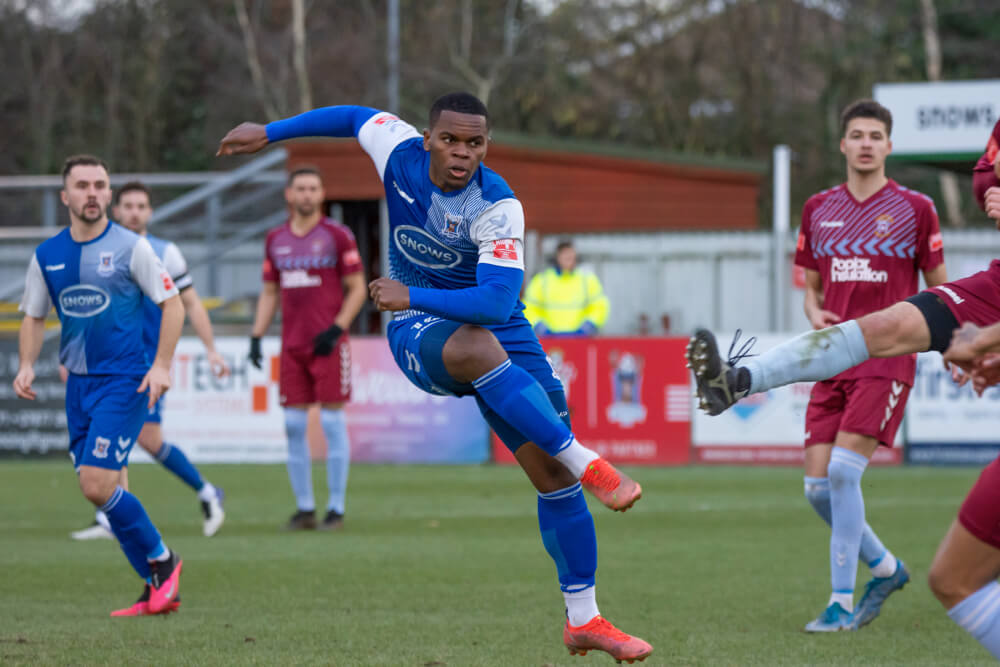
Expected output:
(965, 569)
(315, 262)
(964, 573)
(862, 244)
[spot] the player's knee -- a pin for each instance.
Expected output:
(840, 474)
(879, 329)
(97, 485)
(945, 585)
(817, 494)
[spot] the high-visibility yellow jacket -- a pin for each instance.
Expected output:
(564, 301)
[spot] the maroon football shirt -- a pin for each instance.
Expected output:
(983, 175)
(868, 255)
(309, 270)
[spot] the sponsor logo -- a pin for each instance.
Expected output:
(935, 242)
(168, 284)
(123, 442)
(121, 456)
(299, 278)
(101, 446)
(55, 267)
(832, 223)
(841, 559)
(408, 198)
(855, 270)
(951, 293)
(106, 264)
(897, 390)
(385, 118)
(352, 256)
(505, 249)
(83, 301)
(801, 243)
(451, 223)
(423, 249)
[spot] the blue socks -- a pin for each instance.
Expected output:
(848, 520)
(568, 535)
(817, 490)
(299, 462)
(979, 615)
(174, 460)
(520, 401)
(136, 534)
(338, 457)
(809, 357)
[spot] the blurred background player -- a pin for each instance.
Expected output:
(133, 210)
(926, 321)
(457, 266)
(964, 573)
(849, 246)
(564, 300)
(98, 274)
(315, 262)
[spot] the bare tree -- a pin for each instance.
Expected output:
(461, 58)
(253, 59)
(299, 54)
(932, 49)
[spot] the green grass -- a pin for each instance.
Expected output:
(444, 566)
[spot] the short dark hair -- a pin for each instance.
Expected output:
(303, 171)
(133, 186)
(82, 159)
(865, 109)
(460, 103)
(563, 244)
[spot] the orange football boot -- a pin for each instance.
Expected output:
(599, 635)
(611, 486)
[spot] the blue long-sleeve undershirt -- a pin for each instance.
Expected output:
(338, 121)
(491, 301)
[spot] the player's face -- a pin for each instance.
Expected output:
(305, 194)
(566, 259)
(457, 144)
(134, 211)
(866, 145)
(87, 193)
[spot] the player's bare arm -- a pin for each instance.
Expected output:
(267, 306)
(202, 326)
(936, 276)
(355, 293)
(813, 304)
(244, 138)
(389, 294)
(992, 202)
(157, 379)
(30, 339)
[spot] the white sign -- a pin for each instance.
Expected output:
(946, 117)
(941, 412)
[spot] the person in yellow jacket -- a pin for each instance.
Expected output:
(565, 301)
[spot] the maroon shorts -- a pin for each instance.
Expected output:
(305, 378)
(866, 406)
(974, 299)
(980, 513)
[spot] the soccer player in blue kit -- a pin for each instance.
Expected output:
(133, 210)
(456, 260)
(97, 275)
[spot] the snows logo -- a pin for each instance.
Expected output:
(421, 248)
(83, 300)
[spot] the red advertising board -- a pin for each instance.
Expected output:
(629, 398)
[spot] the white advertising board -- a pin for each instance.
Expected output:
(947, 117)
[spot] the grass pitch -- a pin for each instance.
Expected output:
(444, 566)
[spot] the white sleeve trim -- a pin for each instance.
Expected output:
(499, 233)
(380, 135)
(149, 273)
(176, 266)
(35, 302)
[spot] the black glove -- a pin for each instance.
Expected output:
(255, 356)
(323, 342)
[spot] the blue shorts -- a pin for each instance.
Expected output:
(417, 344)
(153, 414)
(104, 414)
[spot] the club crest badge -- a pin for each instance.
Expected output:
(106, 264)
(882, 226)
